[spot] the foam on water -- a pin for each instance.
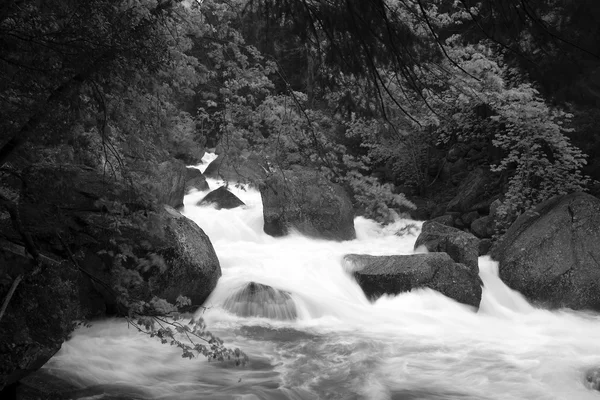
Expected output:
(417, 345)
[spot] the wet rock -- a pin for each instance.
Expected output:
(485, 246)
(592, 378)
(221, 198)
(304, 200)
(461, 246)
(447, 220)
(36, 321)
(469, 217)
(379, 275)
(250, 169)
(551, 253)
(258, 300)
(195, 180)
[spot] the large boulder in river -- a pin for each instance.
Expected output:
(246, 169)
(97, 239)
(304, 200)
(221, 198)
(195, 180)
(379, 275)
(551, 254)
(258, 300)
(461, 246)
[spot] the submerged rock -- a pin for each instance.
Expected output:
(551, 254)
(75, 213)
(461, 246)
(221, 198)
(379, 275)
(592, 379)
(258, 300)
(303, 199)
(169, 183)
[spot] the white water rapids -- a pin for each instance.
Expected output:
(417, 345)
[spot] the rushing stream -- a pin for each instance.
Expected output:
(418, 345)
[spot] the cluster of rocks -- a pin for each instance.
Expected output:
(450, 267)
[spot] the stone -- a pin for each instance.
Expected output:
(551, 254)
(447, 220)
(195, 180)
(483, 227)
(221, 198)
(250, 169)
(592, 379)
(110, 232)
(379, 275)
(304, 200)
(258, 300)
(485, 245)
(461, 246)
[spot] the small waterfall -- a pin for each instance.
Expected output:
(258, 300)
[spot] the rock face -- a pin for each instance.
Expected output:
(169, 183)
(461, 246)
(195, 180)
(248, 169)
(258, 300)
(551, 254)
(74, 211)
(304, 200)
(379, 275)
(36, 321)
(221, 198)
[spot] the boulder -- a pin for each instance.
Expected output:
(461, 246)
(483, 227)
(75, 213)
(551, 253)
(170, 256)
(36, 322)
(221, 198)
(379, 275)
(304, 200)
(195, 180)
(485, 246)
(447, 220)
(169, 183)
(249, 169)
(470, 191)
(258, 300)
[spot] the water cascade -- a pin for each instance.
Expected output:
(336, 344)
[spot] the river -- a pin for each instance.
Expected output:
(417, 345)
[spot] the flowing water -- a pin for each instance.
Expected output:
(417, 345)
